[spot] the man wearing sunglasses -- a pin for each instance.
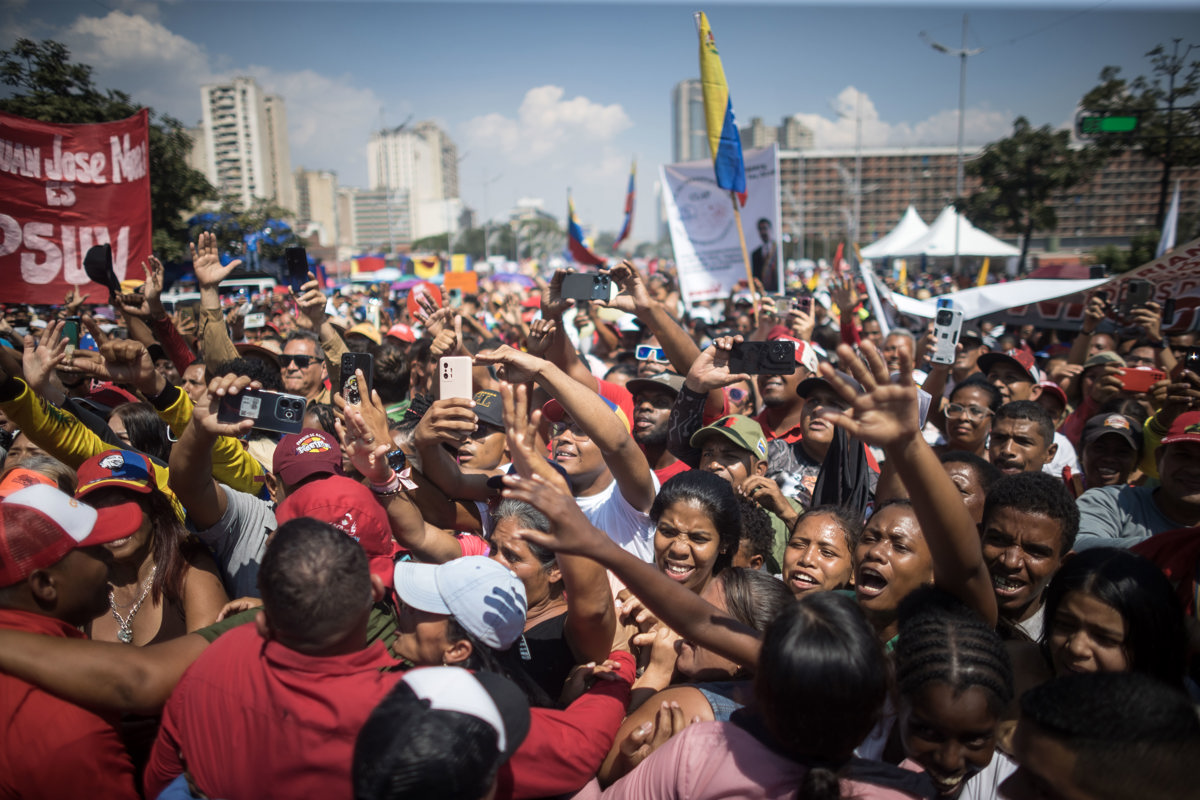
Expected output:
(303, 365)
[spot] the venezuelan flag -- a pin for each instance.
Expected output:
(427, 267)
(625, 226)
(579, 250)
(723, 139)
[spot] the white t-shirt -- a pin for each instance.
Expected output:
(611, 512)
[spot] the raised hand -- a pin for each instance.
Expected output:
(884, 413)
(449, 339)
(711, 370)
(570, 531)
(634, 295)
(541, 334)
(1094, 311)
(553, 304)
(121, 361)
(43, 356)
(525, 447)
(450, 421)
(1149, 319)
(73, 300)
(204, 415)
(514, 365)
(206, 262)
(132, 304)
(800, 323)
(844, 294)
(312, 301)
(153, 286)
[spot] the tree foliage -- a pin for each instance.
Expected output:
(1166, 105)
(1020, 175)
(49, 88)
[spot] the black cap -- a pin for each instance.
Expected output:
(489, 408)
(808, 384)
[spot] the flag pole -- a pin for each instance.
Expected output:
(737, 213)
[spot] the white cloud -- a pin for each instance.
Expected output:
(328, 116)
(546, 126)
(982, 125)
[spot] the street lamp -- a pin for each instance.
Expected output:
(962, 53)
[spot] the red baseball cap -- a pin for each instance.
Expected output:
(304, 454)
(351, 508)
(1053, 388)
(402, 332)
(1020, 357)
(1185, 428)
(40, 525)
(124, 468)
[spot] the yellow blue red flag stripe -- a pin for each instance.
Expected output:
(723, 139)
(628, 223)
(579, 250)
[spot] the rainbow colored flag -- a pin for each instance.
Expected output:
(628, 223)
(723, 139)
(579, 251)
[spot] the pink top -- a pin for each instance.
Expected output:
(721, 760)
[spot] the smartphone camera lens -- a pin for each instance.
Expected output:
(945, 317)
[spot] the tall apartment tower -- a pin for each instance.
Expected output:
(795, 135)
(245, 142)
(420, 159)
(689, 132)
(316, 204)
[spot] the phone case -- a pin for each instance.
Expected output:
(763, 358)
(271, 411)
(454, 377)
(351, 362)
(587, 286)
(1139, 379)
(946, 328)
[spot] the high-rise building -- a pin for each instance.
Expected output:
(420, 159)
(380, 220)
(244, 135)
(316, 204)
(794, 135)
(756, 134)
(689, 131)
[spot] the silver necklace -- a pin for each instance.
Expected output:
(125, 631)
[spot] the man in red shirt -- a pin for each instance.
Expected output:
(53, 579)
(272, 709)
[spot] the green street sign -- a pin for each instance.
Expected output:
(1114, 123)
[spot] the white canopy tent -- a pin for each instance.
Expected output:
(909, 229)
(938, 241)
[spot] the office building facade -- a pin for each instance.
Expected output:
(245, 144)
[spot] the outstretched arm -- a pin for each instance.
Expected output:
(886, 415)
(681, 609)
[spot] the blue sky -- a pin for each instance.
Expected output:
(563, 94)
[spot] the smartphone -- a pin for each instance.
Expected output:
(1191, 360)
(1137, 293)
(947, 324)
(348, 382)
(776, 357)
(271, 411)
(587, 286)
(258, 320)
(296, 260)
(1097, 271)
(1168, 312)
(70, 331)
(454, 298)
(454, 373)
(187, 313)
(1140, 379)
(803, 304)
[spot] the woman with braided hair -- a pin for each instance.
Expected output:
(954, 682)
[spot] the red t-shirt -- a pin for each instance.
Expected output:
(52, 748)
(666, 473)
(252, 718)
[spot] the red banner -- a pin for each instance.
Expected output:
(66, 188)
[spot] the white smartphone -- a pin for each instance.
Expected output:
(947, 323)
(454, 377)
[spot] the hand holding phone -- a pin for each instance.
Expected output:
(947, 324)
(348, 381)
(454, 377)
(588, 286)
(777, 357)
(1139, 379)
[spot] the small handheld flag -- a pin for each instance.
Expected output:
(723, 139)
(578, 249)
(628, 223)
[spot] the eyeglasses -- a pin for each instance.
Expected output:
(970, 412)
(303, 362)
(646, 352)
(557, 429)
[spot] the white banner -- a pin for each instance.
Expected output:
(704, 230)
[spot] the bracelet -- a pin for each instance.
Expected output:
(391, 486)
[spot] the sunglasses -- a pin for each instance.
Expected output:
(557, 429)
(737, 395)
(303, 362)
(970, 412)
(646, 352)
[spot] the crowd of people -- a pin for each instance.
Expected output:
(619, 566)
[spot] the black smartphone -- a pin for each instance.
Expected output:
(271, 411)
(351, 391)
(587, 286)
(777, 357)
(1168, 312)
(296, 260)
(70, 331)
(1097, 271)
(1137, 293)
